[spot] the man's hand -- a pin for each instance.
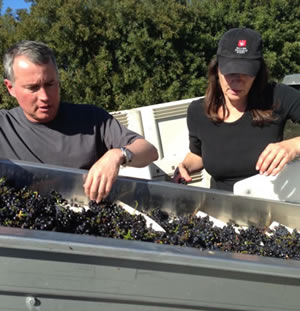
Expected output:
(103, 174)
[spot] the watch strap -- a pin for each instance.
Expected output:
(127, 155)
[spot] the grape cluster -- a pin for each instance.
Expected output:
(25, 208)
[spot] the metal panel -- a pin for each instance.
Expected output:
(68, 271)
(63, 270)
(174, 198)
(292, 79)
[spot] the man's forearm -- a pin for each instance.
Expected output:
(143, 152)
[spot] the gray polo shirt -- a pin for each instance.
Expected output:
(77, 137)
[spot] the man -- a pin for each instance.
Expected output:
(43, 129)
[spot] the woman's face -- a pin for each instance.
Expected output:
(235, 86)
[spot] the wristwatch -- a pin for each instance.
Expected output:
(127, 155)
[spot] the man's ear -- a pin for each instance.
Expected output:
(9, 87)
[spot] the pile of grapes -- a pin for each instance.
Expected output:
(25, 208)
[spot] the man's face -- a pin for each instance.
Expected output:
(36, 88)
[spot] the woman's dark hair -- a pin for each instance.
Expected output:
(260, 101)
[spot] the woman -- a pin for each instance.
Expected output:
(237, 130)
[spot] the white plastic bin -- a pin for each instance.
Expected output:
(131, 119)
(164, 125)
(285, 186)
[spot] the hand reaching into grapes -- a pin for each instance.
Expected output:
(102, 175)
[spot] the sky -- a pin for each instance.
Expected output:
(14, 4)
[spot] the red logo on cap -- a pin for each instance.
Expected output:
(242, 43)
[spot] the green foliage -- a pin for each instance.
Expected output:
(121, 54)
(7, 27)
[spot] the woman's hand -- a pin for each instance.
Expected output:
(276, 155)
(191, 163)
(181, 175)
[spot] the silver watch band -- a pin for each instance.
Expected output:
(127, 155)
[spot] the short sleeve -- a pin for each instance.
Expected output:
(192, 124)
(288, 99)
(115, 134)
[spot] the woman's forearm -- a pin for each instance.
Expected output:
(192, 163)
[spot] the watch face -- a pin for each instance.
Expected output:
(128, 155)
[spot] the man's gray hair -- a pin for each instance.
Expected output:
(37, 52)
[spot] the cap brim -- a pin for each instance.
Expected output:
(248, 67)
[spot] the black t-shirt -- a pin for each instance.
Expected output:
(77, 137)
(230, 150)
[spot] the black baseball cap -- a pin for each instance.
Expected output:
(240, 51)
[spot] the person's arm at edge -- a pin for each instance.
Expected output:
(276, 155)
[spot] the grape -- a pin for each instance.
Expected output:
(27, 209)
